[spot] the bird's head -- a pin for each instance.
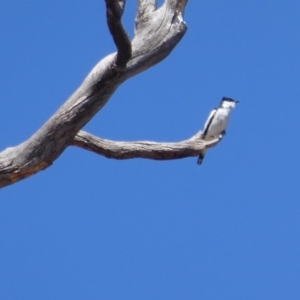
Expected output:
(228, 103)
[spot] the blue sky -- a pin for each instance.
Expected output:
(94, 228)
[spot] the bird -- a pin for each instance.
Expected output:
(216, 123)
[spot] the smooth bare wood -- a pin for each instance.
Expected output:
(142, 149)
(158, 31)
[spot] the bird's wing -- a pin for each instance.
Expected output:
(208, 122)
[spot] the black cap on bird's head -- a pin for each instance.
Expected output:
(229, 100)
(228, 103)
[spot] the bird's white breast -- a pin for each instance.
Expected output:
(218, 124)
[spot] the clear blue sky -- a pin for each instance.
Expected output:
(93, 228)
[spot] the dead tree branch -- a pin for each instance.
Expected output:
(144, 149)
(114, 12)
(158, 31)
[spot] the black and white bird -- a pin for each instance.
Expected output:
(217, 122)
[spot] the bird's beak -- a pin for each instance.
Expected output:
(237, 101)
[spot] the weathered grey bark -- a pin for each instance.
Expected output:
(143, 149)
(157, 32)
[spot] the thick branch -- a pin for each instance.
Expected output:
(157, 35)
(114, 12)
(144, 149)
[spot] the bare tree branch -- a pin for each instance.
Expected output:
(157, 35)
(144, 149)
(180, 6)
(144, 7)
(114, 12)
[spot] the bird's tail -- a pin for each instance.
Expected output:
(200, 159)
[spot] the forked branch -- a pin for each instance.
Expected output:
(158, 31)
